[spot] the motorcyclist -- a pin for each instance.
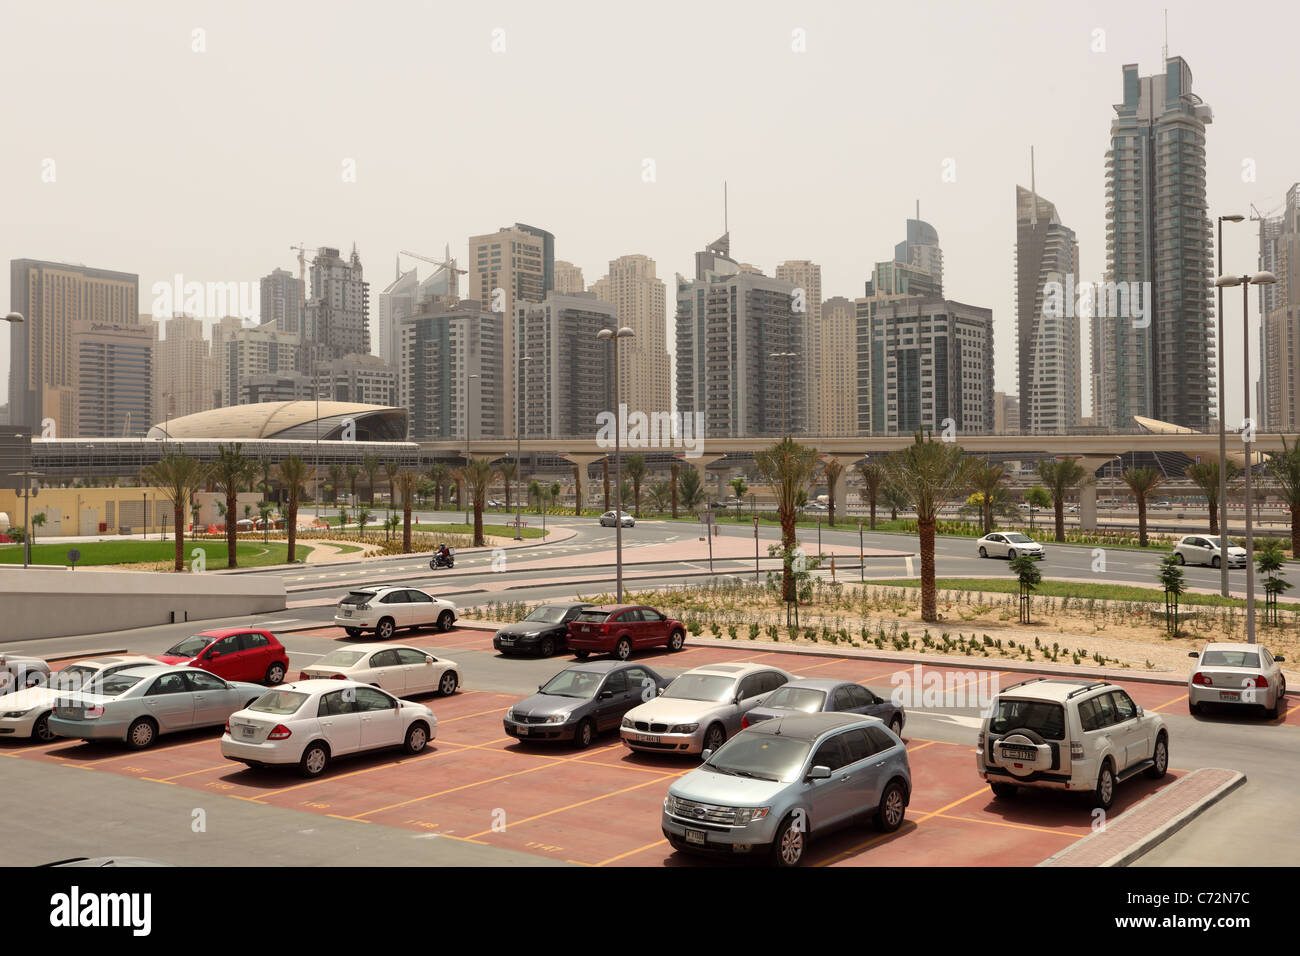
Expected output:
(444, 553)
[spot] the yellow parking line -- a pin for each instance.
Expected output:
(580, 803)
(838, 660)
(1168, 702)
(1014, 826)
(223, 766)
(356, 773)
(854, 851)
(452, 720)
(640, 849)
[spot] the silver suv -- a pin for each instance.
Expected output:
(1069, 735)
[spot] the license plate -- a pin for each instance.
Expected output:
(696, 836)
(645, 739)
(347, 613)
(246, 731)
(1229, 695)
(1017, 754)
(507, 640)
(523, 731)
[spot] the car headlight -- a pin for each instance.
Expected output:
(531, 634)
(747, 815)
(627, 722)
(510, 714)
(14, 714)
(684, 728)
(557, 718)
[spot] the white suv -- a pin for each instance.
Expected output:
(385, 609)
(1069, 735)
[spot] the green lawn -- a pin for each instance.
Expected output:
(500, 530)
(1110, 592)
(96, 553)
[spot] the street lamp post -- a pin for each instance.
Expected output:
(609, 335)
(27, 493)
(1223, 428)
(1246, 281)
(464, 485)
(519, 467)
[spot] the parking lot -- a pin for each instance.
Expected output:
(601, 807)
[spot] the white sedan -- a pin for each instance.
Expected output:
(310, 722)
(1009, 544)
(1237, 675)
(611, 518)
(1202, 549)
(401, 670)
(26, 713)
(385, 608)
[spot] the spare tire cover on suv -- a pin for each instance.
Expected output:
(1027, 749)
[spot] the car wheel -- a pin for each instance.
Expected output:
(352, 631)
(547, 647)
(445, 620)
(1104, 793)
(275, 673)
(1004, 790)
(582, 655)
(1160, 758)
(790, 842)
(1178, 558)
(448, 683)
(314, 760)
(386, 629)
(676, 640)
(893, 805)
(142, 733)
(1214, 561)
(1193, 708)
(714, 737)
(1011, 554)
(896, 725)
(41, 729)
(984, 552)
(417, 736)
(584, 734)
(623, 649)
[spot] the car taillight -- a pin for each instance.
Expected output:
(337, 677)
(227, 730)
(1202, 679)
(744, 722)
(604, 629)
(1260, 681)
(302, 675)
(94, 711)
(281, 732)
(979, 741)
(1076, 749)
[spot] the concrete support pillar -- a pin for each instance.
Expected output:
(584, 462)
(1088, 493)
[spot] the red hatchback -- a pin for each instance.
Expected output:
(619, 629)
(232, 653)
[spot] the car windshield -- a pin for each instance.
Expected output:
(1230, 659)
(357, 597)
(189, 647)
(1016, 537)
(708, 687)
(797, 698)
(73, 678)
(765, 756)
(279, 702)
(1042, 717)
(573, 683)
(547, 614)
(114, 685)
(344, 657)
(592, 617)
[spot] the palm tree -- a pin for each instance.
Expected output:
(635, 469)
(294, 474)
(438, 473)
(1142, 481)
(929, 474)
(37, 521)
(604, 468)
(535, 494)
(476, 476)
(507, 468)
(691, 488)
(554, 492)
(1037, 497)
(391, 468)
(660, 495)
(832, 471)
(363, 519)
(873, 476)
(231, 471)
(1285, 469)
(1205, 475)
(1062, 476)
(893, 498)
(674, 473)
(265, 468)
(624, 495)
(787, 466)
(370, 465)
(407, 482)
(336, 478)
(577, 489)
(264, 509)
(352, 472)
(991, 492)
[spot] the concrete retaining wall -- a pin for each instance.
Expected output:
(38, 602)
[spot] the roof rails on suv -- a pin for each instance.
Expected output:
(1087, 687)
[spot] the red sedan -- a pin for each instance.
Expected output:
(232, 653)
(619, 629)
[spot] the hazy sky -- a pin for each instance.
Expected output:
(212, 163)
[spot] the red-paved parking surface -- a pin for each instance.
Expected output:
(602, 806)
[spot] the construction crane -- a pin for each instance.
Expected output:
(302, 278)
(447, 263)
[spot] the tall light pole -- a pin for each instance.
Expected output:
(316, 388)
(464, 485)
(1223, 281)
(519, 430)
(609, 335)
(785, 399)
(28, 492)
(1223, 428)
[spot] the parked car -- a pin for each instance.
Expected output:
(582, 701)
(701, 708)
(1009, 544)
(611, 518)
(494, 503)
(386, 608)
(402, 671)
(233, 653)
(620, 629)
(777, 785)
(544, 631)
(816, 507)
(814, 695)
(1238, 675)
(25, 713)
(311, 722)
(18, 670)
(1202, 549)
(1072, 735)
(138, 704)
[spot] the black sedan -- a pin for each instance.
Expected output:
(583, 700)
(543, 632)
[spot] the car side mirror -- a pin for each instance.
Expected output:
(739, 698)
(1193, 654)
(705, 755)
(1140, 710)
(661, 691)
(606, 694)
(428, 660)
(1279, 658)
(819, 773)
(211, 655)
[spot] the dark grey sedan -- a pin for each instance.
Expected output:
(544, 631)
(815, 695)
(583, 700)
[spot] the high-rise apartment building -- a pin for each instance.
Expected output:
(640, 301)
(450, 373)
(833, 411)
(569, 378)
(396, 302)
(1156, 361)
(282, 298)
(241, 352)
(1279, 304)
(568, 278)
(184, 375)
(1006, 414)
(806, 277)
(1048, 370)
(739, 344)
(113, 397)
(52, 296)
(921, 250)
(337, 322)
(276, 387)
(365, 379)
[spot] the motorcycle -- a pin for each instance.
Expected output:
(440, 561)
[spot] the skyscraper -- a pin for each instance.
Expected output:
(184, 376)
(807, 279)
(396, 302)
(640, 300)
(568, 278)
(1047, 339)
(282, 296)
(114, 375)
(569, 380)
(338, 312)
(1157, 364)
(42, 363)
(1280, 308)
(450, 372)
(921, 249)
(832, 412)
